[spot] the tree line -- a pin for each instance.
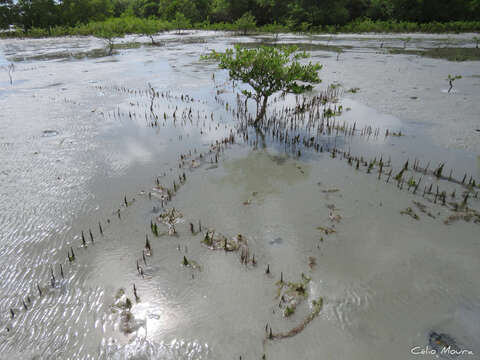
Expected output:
(294, 14)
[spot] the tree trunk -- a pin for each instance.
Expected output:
(263, 109)
(110, 47)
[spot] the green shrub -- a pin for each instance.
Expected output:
(35, 32)
(181, 22)
(246, 23)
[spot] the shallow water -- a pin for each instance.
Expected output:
(81, 133)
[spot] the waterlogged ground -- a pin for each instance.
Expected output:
(365, 261)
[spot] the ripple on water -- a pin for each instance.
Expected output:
(69, 310)
(141, 348)
(344, 308)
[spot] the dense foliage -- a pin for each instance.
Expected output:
(302, 15)
(268, 70)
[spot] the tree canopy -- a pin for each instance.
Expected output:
(268, 70)
(298, 14)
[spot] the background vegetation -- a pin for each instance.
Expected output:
(64, 17)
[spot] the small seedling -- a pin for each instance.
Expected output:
(451, 79)
(147, 243)
(135, 293)
(288, 311)
(438, 172)
(406, 41)
(71, 257)
(208, 240)
(11, 68)
(339, 52)
(128, 303)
